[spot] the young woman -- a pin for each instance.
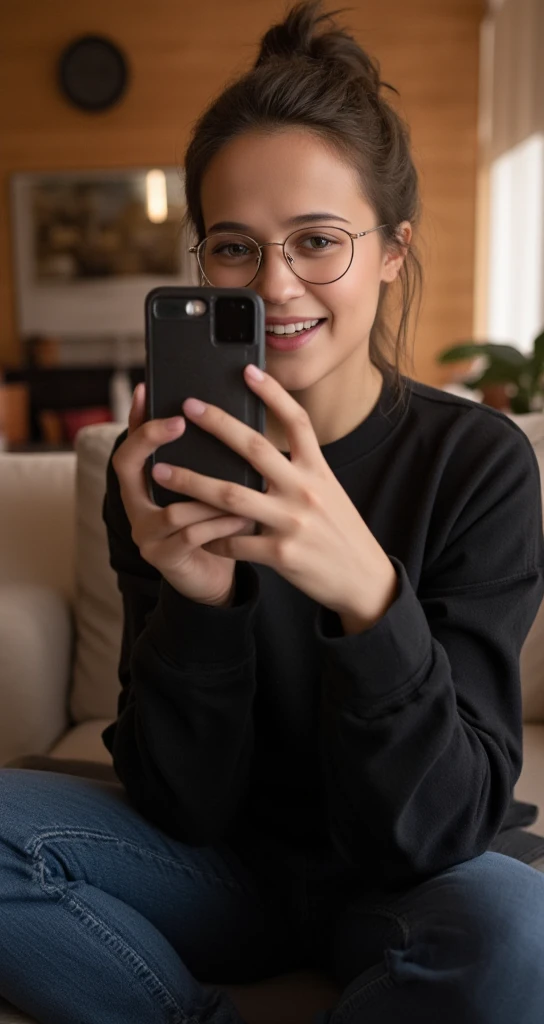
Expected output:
(319, 729)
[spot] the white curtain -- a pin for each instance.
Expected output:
(510, 256)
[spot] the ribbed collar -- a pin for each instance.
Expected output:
(388, 411)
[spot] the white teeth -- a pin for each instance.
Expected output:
(302, 325)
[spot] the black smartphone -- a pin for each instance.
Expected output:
(198, 341)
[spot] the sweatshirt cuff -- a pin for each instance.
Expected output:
(393, 654)
(190, 633)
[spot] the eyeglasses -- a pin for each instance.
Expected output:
(317, 255)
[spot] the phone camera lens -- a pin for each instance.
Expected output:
(234, 322)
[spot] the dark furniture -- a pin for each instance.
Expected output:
(57, 388)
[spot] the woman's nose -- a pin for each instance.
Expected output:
(275, 282)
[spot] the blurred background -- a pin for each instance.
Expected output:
(96, 105)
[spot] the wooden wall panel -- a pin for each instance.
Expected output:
(181, 53)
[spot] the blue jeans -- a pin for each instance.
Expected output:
(104, 919)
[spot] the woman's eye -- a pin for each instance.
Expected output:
(234, 249)
(317, 242)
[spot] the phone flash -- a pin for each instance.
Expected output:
(195, 307)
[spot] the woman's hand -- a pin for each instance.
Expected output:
(172, 538)
(311, 533)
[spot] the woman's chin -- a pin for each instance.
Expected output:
(291, 376)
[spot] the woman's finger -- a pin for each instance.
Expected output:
(136, 415)
(247, 442)
(231, 498)
(303, 444)
(224, 526)
(195, 536)
(161, 524)
(245, 547)
(130, 458)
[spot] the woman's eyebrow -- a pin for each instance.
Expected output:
(307, 218)
(301, 218)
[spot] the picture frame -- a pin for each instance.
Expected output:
(79, 272)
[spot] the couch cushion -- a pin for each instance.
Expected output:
(37, 493)
(294, 998)
(530, 787)
(35, 666)
(9, 1015)
(84, 742)
(98, 607)
(66, 766)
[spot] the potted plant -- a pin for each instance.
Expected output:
(509, 377)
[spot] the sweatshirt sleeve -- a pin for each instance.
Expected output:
(421, 724)
(183, 739)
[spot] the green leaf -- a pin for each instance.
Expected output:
(464, 351)
(498, 373)
(507, 354)
(494, 352)
(520, 403)
(537, 361)
(538, 345)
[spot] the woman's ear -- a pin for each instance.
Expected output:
(394, 256)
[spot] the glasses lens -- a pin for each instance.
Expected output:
(229, 260)
(319, 255)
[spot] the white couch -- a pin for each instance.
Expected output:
(60, 628)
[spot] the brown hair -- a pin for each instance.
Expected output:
(311, 74)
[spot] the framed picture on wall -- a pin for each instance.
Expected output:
(89, 245)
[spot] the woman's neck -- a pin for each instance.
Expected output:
(335, 405)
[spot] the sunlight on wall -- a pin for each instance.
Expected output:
(516, 245)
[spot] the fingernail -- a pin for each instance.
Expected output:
(194, 406)
(254, 372)
(174, 423)
(161, 471)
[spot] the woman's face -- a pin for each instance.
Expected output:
(265, 181)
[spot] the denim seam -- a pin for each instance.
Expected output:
(34, 845)
(345, 1009)
(139, 969)
(121, 949)
(383, 982)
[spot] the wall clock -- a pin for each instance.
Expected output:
(93, 73)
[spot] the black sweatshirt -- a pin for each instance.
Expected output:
(396, 749)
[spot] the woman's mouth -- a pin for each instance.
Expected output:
(289, 336)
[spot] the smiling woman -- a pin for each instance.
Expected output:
(335, 275)
(300, 147)
(319, 728)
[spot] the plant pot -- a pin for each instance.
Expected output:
(497, 396)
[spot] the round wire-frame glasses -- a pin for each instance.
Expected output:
(289, 259)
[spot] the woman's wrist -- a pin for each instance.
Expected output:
(227, 601)
(365, 613)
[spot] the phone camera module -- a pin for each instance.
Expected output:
(234, 321)
(195, 307)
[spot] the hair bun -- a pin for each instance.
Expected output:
(304, 34)
(293, 37)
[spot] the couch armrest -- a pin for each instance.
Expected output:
(36, 637)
